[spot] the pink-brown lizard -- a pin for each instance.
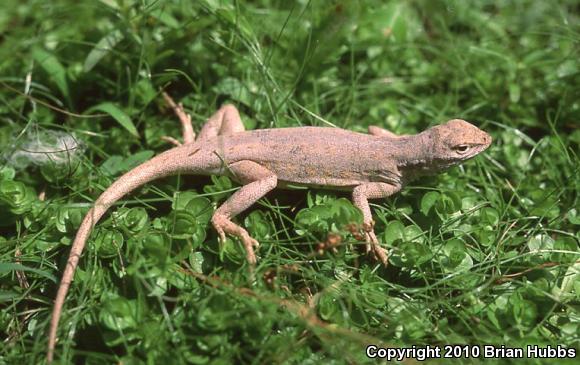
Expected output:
(371, 166)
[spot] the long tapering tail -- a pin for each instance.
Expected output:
(168, 163)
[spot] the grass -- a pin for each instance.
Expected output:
(485, 254)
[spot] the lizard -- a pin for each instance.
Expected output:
(370, 166)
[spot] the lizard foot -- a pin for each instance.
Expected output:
(223, 225)
(373, 246)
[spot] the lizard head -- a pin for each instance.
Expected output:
(456, 141)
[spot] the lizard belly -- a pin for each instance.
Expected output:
(315, 176)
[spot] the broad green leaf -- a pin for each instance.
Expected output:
(540, 242)
(236, 89)
(9, 266)
(180, 279)
(565, 244)
(469, 202)
(112, 166)
(395, 231)
(196, 260)
(573, 216)
(116, 164)
(157, 245)
(9, 296)
(413, 254)
(571, 278)
(158, 286)
(183, 225)
(220, 184)
(330, 216)
(329, 307)
(135, 219)
(53, 68)
(7, 173)
(199, 207)
(144, 91)
(428, 201)
(116, 113)
(182, 198)
(396, 22)
(456, 257)
(119, 313)
(102, 48)
(490, 215)
(68, 219)
(258, 225)
(136, 159)
(414, 233)
(165, 17)
(16, 198)
(514, 91)
(486, 235)
(524, 312)
(232, 250)
(108, 242)
(111, 3)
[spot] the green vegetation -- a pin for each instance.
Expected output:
(487, 253)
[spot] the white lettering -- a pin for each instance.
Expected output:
(371, 351)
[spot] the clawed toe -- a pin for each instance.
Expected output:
(251, 257)
(249, 245)
(221, 235)
(381, 254)
(373, 246)
(223, 225)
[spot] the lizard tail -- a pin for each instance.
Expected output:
(168, 163)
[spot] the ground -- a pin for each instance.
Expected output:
(485, 254)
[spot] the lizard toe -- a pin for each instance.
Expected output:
(372, 245)
(368, 248)
(221, 235)
(381, 254)
(249, 244)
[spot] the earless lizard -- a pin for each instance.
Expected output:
(371, 166)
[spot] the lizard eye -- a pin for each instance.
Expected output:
(461, 148)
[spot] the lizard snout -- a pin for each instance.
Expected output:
(487, 139)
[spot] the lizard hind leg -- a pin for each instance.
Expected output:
(258, 181)
(381, 132)
(184, 119)
(225, 121)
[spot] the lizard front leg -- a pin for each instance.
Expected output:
(258, 181)
(360, 196)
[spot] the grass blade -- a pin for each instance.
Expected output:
(119, 115)
(9, 266)
(102, 48)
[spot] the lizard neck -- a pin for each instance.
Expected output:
(414, 155)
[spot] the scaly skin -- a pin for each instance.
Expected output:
(372, 166)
